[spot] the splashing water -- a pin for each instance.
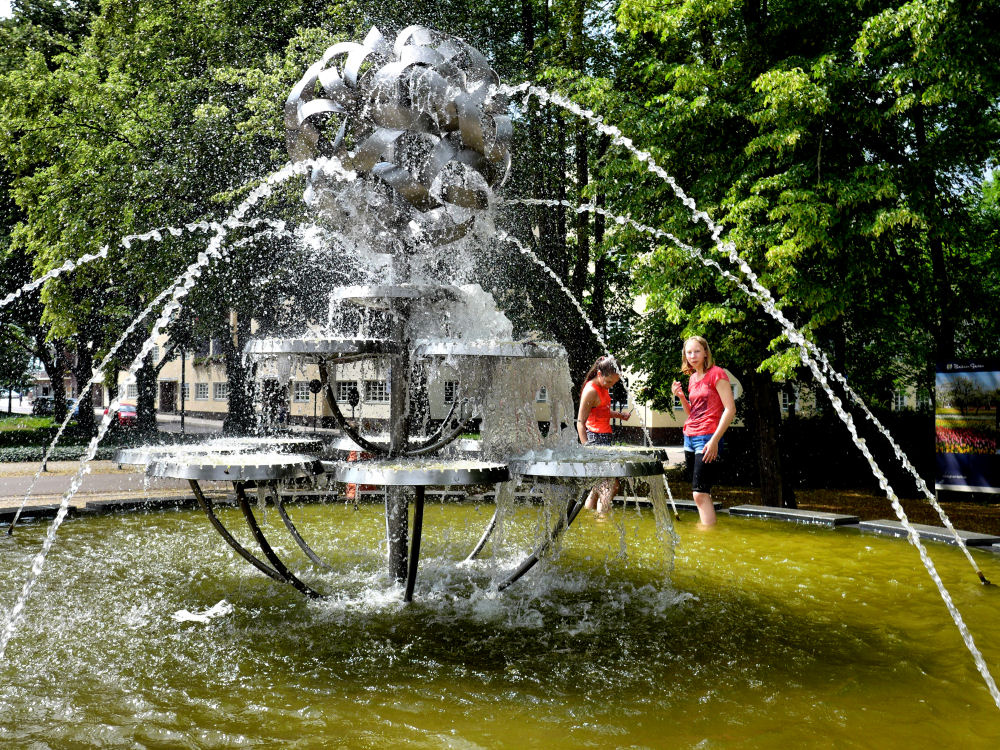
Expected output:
(98, 372)
(504, 237)
(763, 295)
(190, 276)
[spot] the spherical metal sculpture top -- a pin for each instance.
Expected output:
(420, 119)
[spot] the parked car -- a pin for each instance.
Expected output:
(43, 405)
(126, 416)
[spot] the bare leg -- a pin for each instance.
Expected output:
(601, 496)
(706, 510)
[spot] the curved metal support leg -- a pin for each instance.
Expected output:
(485, 537)
(572, 511)
(279, 503)
(455, 434)
(338, 415)
(418, 527)
(206, 505)
(286, 575)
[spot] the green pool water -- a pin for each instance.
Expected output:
(765, 635)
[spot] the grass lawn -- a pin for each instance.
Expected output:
(23, 422)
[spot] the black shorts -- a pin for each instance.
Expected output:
(598, 438)
(701, 474)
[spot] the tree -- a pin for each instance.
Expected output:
(15, 360)
(827, 139)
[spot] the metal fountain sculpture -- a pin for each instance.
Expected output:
(421, 125)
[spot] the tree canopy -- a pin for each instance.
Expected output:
(845, 149)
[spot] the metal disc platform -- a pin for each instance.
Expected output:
(599, 467)
(235, 467)
(184, 452)
(431, 473)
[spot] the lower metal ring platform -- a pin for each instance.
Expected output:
(235, 467)
(598, 468)
(433, 473)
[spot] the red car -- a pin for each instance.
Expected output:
(127, 415)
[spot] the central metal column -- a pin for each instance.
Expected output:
(397, 499)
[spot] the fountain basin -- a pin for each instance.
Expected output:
(770, 635)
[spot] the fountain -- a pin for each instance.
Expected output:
(403, 144)
(415, 139)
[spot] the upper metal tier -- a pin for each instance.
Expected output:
(463, 348)
(235, 467)
(346, 445)
(328, 347)
(416, 473)
(380, 295)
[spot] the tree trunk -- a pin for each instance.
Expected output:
(944, 326)
(55, 366)
(578, 282)
(240, 417)
(145, 406)
(598, 304)
(775, 489)
(562, 264)
(83, 370)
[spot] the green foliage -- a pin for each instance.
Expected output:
(829, 142)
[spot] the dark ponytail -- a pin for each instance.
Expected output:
(605, 365)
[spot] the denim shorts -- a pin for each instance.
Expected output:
(598, 438)
(702, 475)
(697, 443)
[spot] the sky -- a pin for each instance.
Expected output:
(4, 8)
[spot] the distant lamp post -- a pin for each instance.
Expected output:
(353, 398)
(315, 386)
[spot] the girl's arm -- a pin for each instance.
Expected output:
(725, 390)
(678, 390)
(586, 404)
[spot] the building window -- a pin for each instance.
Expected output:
(344, 388)
(132, 390)
(201, 391)
(542, 396)
(220, 391)
(186, 392)
(898, 400)
(203, 349)
(924, 400)
(789, 400)
(300, 393)
(377, 392)
(450, 389)
(215, 345)
(155, 352)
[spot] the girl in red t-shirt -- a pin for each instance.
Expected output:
(710, 408)
(593, 421)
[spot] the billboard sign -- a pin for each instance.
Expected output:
(966, 426)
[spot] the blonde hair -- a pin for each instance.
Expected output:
(709, 362)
